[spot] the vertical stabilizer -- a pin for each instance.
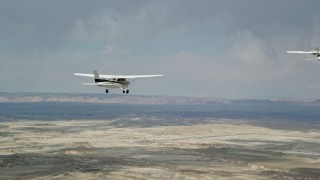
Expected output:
(96, 76)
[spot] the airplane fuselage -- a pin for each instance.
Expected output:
(114, 83)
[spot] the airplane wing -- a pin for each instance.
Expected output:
(117, 76)
(302, 52)
(83, 74)
(129, 76)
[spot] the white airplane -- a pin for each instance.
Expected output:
(113, 81)
(314, 52)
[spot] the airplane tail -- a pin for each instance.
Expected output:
(96, 76)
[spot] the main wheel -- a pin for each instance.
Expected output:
(107, 91)
(123, 91)
(127, 91)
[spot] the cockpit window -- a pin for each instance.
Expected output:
(121, 79)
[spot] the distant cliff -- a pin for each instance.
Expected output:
(138, 99)
(98, 98)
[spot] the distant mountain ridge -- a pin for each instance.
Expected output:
(99, 98)
(139, 99)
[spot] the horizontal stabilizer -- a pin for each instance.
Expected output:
(98, 83)
(313, 59)
(90, 84)
(104, 83)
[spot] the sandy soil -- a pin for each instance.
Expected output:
(98, 150)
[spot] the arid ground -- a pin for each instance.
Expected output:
(96, 149)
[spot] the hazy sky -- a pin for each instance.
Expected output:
(216, 48)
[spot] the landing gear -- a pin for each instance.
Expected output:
(107, 91)
(125, 91)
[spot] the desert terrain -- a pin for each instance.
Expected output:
(100, 149)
